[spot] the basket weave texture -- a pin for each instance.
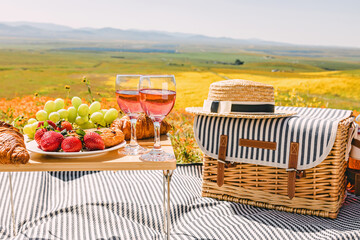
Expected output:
(241, 91)
(320, 193)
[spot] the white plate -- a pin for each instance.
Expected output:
(33, 147)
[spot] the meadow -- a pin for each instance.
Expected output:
(28, 77)
(46, 72)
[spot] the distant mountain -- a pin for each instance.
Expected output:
(44, 26)
(48, 31)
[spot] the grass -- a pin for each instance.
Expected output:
(46, 72)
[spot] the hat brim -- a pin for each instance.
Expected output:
(276, 114)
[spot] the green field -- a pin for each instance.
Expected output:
(326, 81)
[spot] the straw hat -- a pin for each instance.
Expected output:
(240, 99)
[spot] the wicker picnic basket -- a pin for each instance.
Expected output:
(319, 190)
(320, 193)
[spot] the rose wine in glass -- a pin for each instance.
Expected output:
(129, 102)
(127, 97)
(157, 98)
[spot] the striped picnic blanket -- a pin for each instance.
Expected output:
(313, 128)
(128, 205)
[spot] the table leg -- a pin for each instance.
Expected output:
(12, 204)
(166, 202)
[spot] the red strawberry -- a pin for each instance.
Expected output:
(71, 144)
(38, 135)
(93, 141)
(51, 141)
(66, 125)
(51, 123)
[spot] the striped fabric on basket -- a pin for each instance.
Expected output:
(313, 128)
(127, 205)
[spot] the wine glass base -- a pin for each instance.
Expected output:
(132, 151)
(157, 156)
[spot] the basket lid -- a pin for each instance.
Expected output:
(267, 141)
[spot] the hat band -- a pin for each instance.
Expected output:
(238, 107)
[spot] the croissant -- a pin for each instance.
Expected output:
(12, 145)
(144, 127)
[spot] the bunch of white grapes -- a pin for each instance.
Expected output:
(79, 113)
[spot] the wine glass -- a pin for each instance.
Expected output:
(157, 98)
(127, 96)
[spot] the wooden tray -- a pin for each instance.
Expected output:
(108, 161)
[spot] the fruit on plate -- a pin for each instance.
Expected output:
(83, 110)
(76, 102)
(97, 117)
(95, 107)
(41, 115)
(50, 106)
(51, 123)
(51, 141)
(81, 120)
(65, 125)
(39, 134)
(32, 120)
(93, 141)
(54, 116)
(64, 114)
(28, 131)
(87, 125)
(72, 114)
(59, 104)
(111, 115)
(71, 144)
(78, 115)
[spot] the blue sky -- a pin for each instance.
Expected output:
(310, 22)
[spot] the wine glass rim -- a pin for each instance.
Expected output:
(159, 76)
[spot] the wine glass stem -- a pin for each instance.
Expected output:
(133, 142)
(157, 144)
